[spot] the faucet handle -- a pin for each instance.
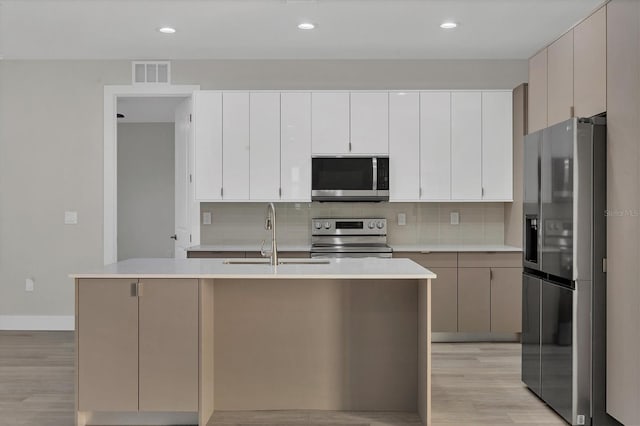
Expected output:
(262, 252)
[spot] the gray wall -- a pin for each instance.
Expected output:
(51, 154)
(146, 182)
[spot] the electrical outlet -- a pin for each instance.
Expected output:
(29, 284)
(70, 218)
(455, 218)
(206, 218)
(402, 219)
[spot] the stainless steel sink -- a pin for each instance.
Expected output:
(284, 261)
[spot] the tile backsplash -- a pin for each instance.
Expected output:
(427, 223)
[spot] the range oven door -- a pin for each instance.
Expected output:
(350, 179)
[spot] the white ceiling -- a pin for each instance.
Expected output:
(267, 29)
(148, 109)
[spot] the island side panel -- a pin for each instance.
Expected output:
(206, 352)
(424, 351)
(316, 344)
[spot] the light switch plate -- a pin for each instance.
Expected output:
(455, 218)
(402, 219)
(70, 218)
(206, 218)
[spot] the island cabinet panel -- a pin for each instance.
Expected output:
(506, 296)
(560, 79)
(590, 65)
(466, 146)
(168, 344)
(474, 300)
(107, 319)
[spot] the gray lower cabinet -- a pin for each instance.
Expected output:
(474, 292)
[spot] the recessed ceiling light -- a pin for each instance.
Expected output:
(167, 30)
(448, 25)
(306, 26)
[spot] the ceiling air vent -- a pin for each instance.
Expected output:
(151, 72)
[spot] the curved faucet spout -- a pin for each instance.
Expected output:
(270, 225)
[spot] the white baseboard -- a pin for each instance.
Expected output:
(37, 322)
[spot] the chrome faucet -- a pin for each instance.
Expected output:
(270, 225)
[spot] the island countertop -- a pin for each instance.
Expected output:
(354, 268)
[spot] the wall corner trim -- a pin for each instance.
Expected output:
(37, 322)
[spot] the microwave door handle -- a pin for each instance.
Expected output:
(375, 173)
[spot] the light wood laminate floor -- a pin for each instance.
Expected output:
(473, 384)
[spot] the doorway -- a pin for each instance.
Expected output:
(146, 147)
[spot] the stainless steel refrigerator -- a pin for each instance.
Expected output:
(564, 260)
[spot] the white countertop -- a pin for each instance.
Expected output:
(428, 248)
(247, 247)
(396, 247)
(364, 268)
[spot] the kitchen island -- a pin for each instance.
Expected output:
(168, 341)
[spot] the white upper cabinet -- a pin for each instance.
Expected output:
(466, 146)
(435, 145)
(369, 123)
(497, 146)
(264, 130)
(207, 122)
(404, 146)
(235, 145)
(295, 146)
(330, 123)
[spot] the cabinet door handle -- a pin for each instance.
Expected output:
(349, 146)
(134, 289)
(140, 288)
(490, 274)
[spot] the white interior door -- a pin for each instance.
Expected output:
(183, 202)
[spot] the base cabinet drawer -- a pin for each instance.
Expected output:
(137, 344)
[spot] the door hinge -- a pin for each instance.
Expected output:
(604, 265)
(190, 118)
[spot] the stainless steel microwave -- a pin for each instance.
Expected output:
(350, 178)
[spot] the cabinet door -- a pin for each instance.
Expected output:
(207, 122)
(330, 123)
(444, 300)
(506, 300)
(435, 145)
(590, 65)
(369, 123)
(497, 146)
(235, 146)
(107, 311)
(168, 344)
(295, 142)
(537, 92)
(404, 146)
(560, 75)
(264, 182)
(474, 300)
(466, 145)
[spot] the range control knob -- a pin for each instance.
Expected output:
(371, 225)
(327, 225)
(317, 225)
(380, 224)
